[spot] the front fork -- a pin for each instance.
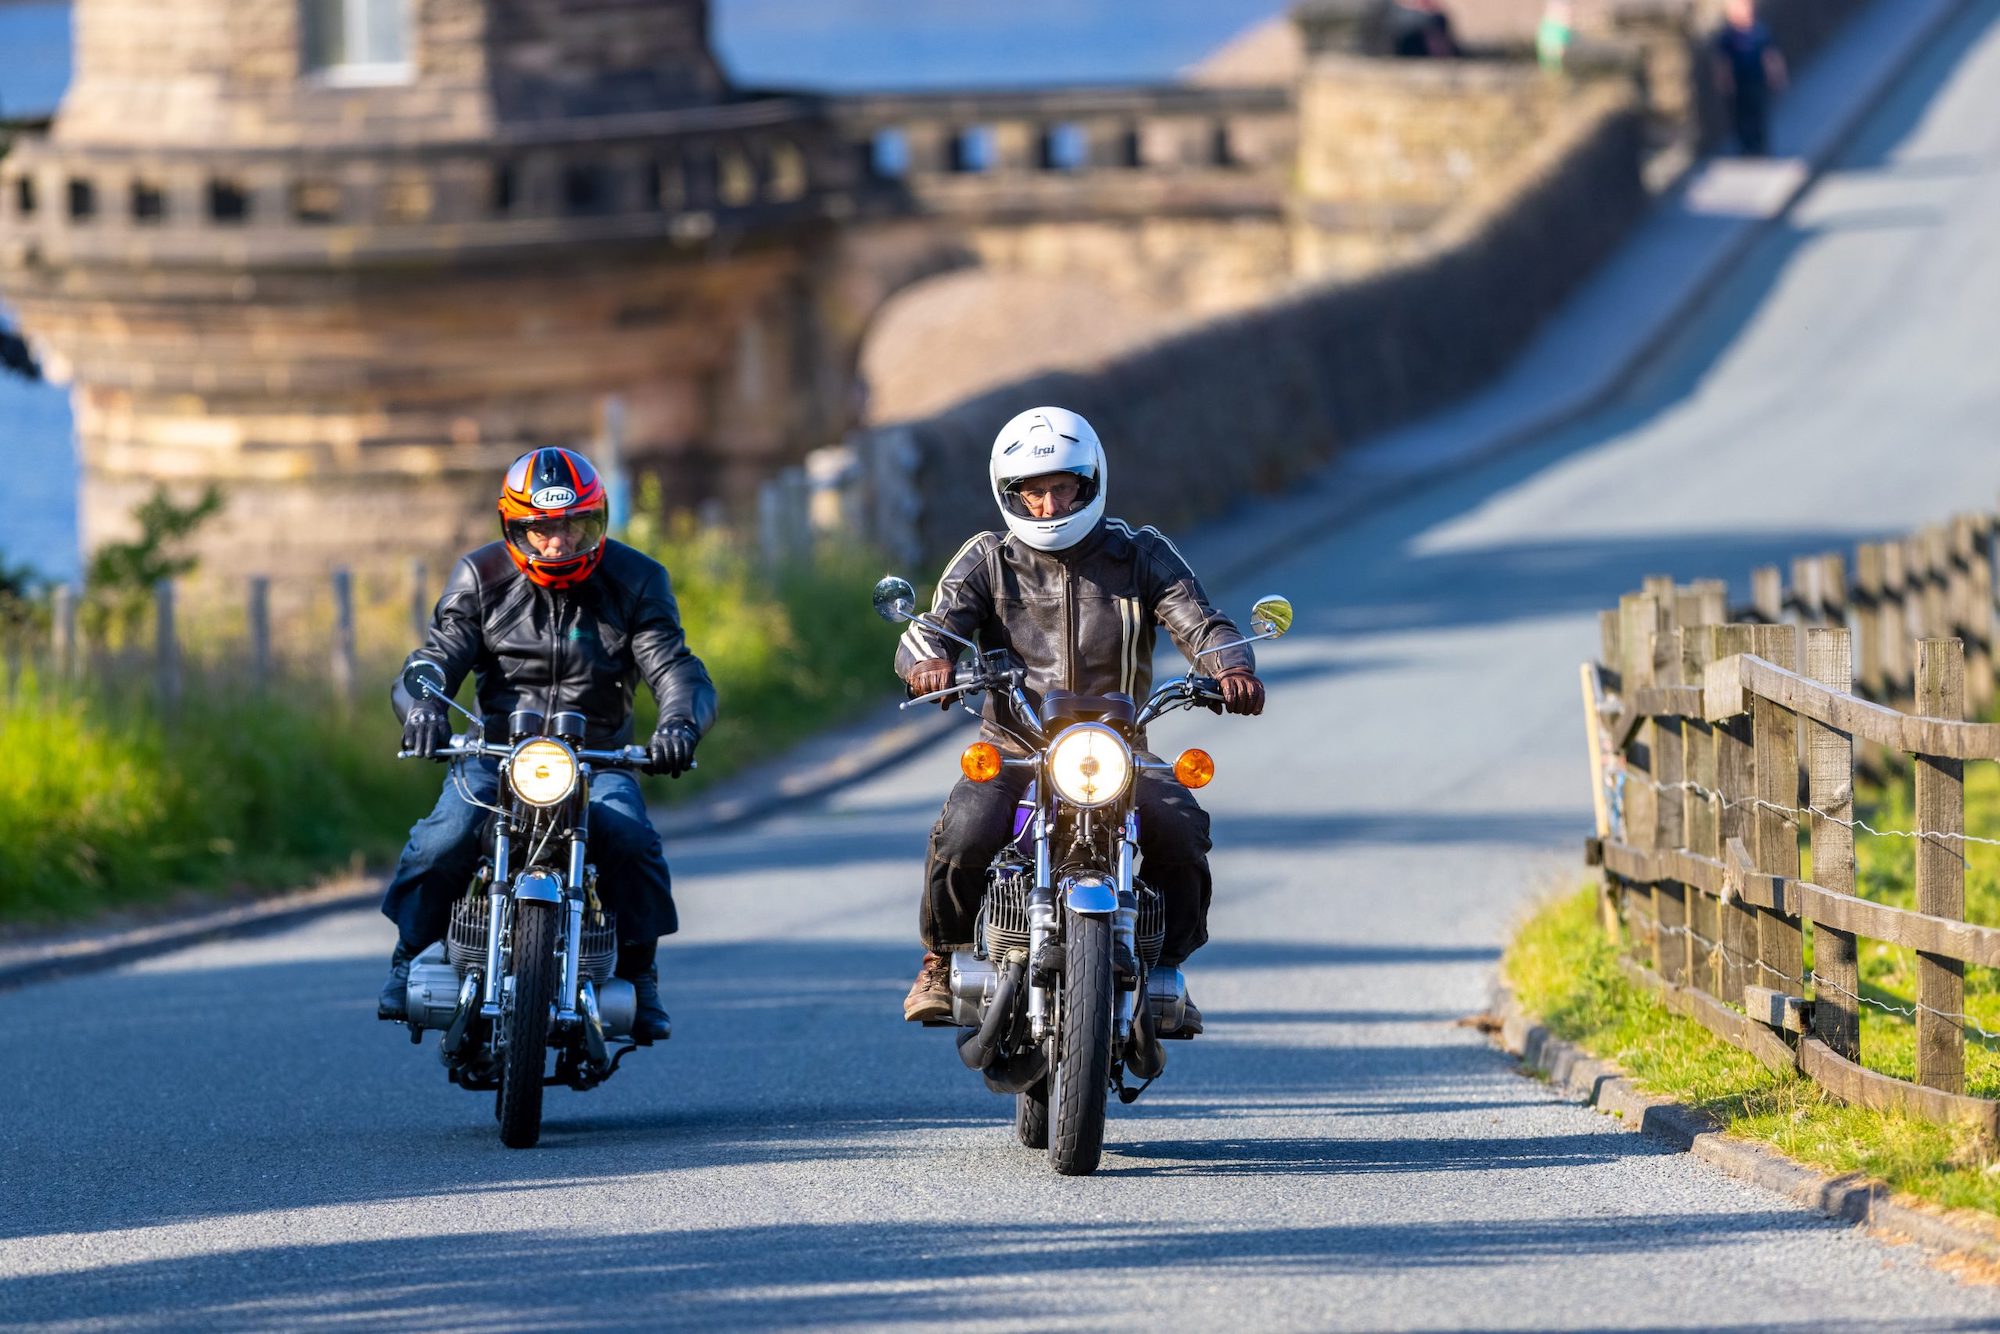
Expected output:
(1043, 914)
(1125, 929)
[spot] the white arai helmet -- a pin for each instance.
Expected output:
(1045, 440)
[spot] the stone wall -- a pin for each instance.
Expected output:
(1244, 404)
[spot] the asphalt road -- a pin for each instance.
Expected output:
(226, 1139)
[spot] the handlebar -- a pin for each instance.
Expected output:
(463, 747)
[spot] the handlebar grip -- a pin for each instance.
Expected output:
(1204, 685)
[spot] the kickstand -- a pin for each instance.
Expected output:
(1129, 1095)
(616, 1057)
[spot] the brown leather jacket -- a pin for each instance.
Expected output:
(1083, 620)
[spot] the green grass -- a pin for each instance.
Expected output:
(104, 804)
(1886, 873)
(1564, 970)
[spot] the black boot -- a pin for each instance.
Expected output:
(394, 1002)
(649, 1018)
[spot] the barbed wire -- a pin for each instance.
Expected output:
(1716, 949)
(1622, 775)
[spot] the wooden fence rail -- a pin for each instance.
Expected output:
(1718, 746)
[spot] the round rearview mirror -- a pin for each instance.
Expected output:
(1271, 616)
(423, 679)
(895, 600)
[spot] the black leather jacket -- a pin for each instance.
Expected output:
(1083, 620)
(582, 649)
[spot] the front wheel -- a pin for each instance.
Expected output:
(526, 1025)
(1080, 1077)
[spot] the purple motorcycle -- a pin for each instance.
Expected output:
(1061, 995)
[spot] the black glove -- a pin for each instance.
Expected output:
(425, 728)
(1242, 692)
(671, 751)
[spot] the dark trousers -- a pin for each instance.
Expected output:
(978, 819)
(446, 845)
(1752, 116)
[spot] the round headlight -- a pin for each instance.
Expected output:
(543, 772)
(1090, 765)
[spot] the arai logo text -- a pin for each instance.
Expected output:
(552, 498)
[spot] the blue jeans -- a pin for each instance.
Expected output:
(446, 845)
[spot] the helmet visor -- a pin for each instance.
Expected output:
(1049, 495)
(549, 540)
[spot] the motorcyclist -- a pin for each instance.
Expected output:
(552, 617)
(1077, 598)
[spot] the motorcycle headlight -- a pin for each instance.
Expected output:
(1090, 765)
(542, 772)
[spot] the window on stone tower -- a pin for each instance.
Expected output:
(357, 41)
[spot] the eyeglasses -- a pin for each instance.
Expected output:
(1061, 492)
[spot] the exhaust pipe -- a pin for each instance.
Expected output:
(977, 1047)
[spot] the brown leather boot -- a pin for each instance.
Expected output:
(930, 994)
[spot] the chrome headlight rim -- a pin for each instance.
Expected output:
(1076, 732)
(537, 791)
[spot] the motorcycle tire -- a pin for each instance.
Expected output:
(527, 1025)
(1031, 1116)
(1080, 1076)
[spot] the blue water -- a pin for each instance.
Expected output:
(832, 44)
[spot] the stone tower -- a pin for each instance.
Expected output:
(348, 257)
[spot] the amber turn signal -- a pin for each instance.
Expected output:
(1194, 768)
(980, 762)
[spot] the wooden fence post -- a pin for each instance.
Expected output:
(1670, 828)
(1936, 559)
(1895, 624)
(420, 600)
(1700, 812)
(1830, 762)
(1868, 618)
(1767, 594)
(1735, 779)
(343, 635)
(166, 647)
(1940, 870)
(62, 631)
(1641, 617)
(1775, 733)
(258, 617)
(1807, 595)
(1973, 605)
(1833, 590)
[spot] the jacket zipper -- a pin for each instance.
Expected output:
(1069, 630)
(555, 654)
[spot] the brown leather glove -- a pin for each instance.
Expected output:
(929, 675)
(1242, 692)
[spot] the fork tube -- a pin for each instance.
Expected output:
(1041, 925)
(1126, 923)
(501, 891)
(573, 932)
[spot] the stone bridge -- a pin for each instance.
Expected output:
(349, 286)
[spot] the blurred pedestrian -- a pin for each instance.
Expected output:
(1749, 68)
(1554, 34)
(1422, 28)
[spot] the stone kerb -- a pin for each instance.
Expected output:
(1243, 404)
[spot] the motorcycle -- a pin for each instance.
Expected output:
(525, 969)
(1062, 995)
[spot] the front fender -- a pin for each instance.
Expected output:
(1090, 894)
(538, 887)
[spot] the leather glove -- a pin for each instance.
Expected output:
(929, 675)
(425, 728)
(671, 751)
(1242, 692)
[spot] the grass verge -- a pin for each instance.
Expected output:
(106, 804)
(1564, 971)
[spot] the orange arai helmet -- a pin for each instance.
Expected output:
(553, 513)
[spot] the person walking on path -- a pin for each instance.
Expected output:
(1749, 68)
